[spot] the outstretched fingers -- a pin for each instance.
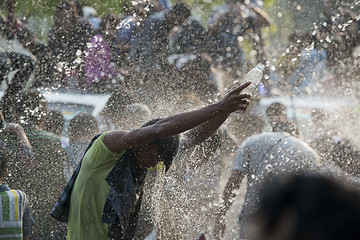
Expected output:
(240, 88)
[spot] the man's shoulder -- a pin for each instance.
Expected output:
(264, 137)
(273, 137)
(46, 142)
(16, 193)
(33, 133)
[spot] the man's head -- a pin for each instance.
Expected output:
(82, 127)
(3, 162)
(318, 117)
(178, 14)
(346, 155)
(116, 107)
(54, 122)
(276, 112)
(31, 107)
(307, 208)
(161, 150)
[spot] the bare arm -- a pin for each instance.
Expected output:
(20, 133)
(117, 141)
(202, 132)
(232, 184)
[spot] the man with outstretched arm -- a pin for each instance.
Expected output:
(106, 189)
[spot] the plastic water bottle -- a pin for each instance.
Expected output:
(254, 76)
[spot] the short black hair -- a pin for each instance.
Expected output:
(346, 155)
(322, 208)
(54, 122)
(180, 11)
(116, 105)
(83, 124)
(276, 109)
(79, 8)
(31, 107)
(3, 160)
(167, 147)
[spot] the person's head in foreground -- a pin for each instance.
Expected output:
(307, 208)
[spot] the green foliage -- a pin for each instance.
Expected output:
(108, 6)
(45, 8)
(202, 8)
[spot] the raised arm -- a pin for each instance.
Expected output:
(202, 132)
(117, 141)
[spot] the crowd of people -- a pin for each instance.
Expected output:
(149, 165)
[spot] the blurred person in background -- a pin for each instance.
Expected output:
(15, 215)
(306, 208)
(14, 28)
(189, 65)
(31, 111)
(229, 24)
(100, 70)
(9, 62)
(54, 122)
(279, 121)
(150, 49)
(60, 61)
(345, 155)
(112, 117)
(322, 138)
(127, 32)
(82, 128)
(260, 157)
(67, 42)
(12, 61)
(21, 159)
